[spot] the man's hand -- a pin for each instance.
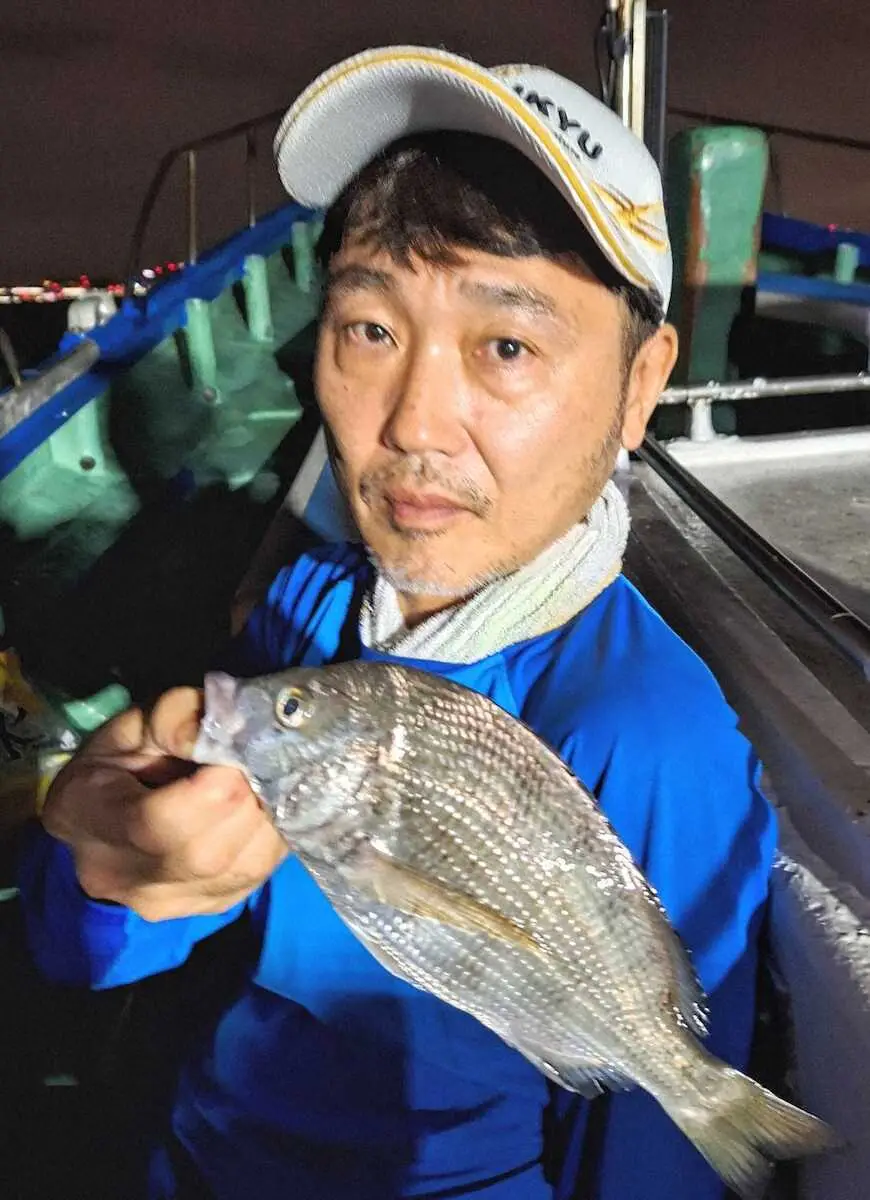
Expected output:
(150, 832)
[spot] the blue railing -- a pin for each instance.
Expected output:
(143, 322)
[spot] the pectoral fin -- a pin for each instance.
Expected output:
(404, 888)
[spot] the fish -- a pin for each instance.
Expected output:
(471, 863)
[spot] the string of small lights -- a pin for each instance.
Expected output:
(50, 290)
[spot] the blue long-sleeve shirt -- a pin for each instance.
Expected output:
(330, 1079)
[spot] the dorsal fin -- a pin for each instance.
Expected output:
(690, 999)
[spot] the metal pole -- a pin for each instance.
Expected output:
(625, 25)
(250, 174)
(757, 389)
(156, 186)
(19, 403)
(638, 68)
(815, 604)
(10, 357)
(656, 85)
(192, 233)
(607, 53)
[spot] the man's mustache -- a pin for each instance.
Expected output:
(415, 471)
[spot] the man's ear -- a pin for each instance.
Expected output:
(647, 380)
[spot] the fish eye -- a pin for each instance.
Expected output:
(288, 707)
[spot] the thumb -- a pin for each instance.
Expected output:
(147, 744)
(173, 726)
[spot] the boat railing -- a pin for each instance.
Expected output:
(188, 152)
(775, 133)
(700, 398)
(772, 129)
(839, 295)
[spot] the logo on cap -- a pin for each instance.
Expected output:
(567, 125)
(643, 221)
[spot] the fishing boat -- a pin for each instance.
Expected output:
(162, 463)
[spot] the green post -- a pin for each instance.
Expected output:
(715, 191)
(847, 257)
(84, 716)
(200, 342)
(257, 300)
(303, 255)
(846, 262)
(80, 443)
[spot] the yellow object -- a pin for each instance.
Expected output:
(34, 745)
(15, 691)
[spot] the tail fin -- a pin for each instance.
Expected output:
(741, 1126)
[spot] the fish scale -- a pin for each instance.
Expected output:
(523, 897)
(485, 759)
(489, 757)
(471, 863)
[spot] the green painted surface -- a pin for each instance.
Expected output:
(716, 183)
(73, 471)
(84, 716)
(201, 344)
(303, 254)
(846, 262)
(257, 302)
(781, 261)
(124, 535)
(810, 347)
(840, 265)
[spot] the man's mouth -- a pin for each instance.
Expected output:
(421, 510)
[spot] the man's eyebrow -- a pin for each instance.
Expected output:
(353, 278)
(511, 295)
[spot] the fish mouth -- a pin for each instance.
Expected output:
(221, 722)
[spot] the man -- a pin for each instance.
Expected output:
(497, 269)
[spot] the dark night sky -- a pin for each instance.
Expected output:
(95, 93)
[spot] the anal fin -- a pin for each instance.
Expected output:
(588, 1076)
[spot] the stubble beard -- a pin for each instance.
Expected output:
(408, 583)
(417, 469)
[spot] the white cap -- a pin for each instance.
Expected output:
(353, 110)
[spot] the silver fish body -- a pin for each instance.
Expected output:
(470, 861)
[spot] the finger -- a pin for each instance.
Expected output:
(124, 734)
(127, 741)
(261, 854)
(210, 876)
(90, 802)
(163, 823)
(159, 771)
(164, 902)
(173, 726)
(258, 857)
(222, 856)
(144, 745)
(101, 802)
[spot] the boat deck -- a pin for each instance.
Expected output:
(809, 495)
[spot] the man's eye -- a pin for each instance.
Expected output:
(508, 350)
(361, 332)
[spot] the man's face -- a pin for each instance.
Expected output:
(476, 410)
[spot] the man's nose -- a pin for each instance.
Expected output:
(427, 408)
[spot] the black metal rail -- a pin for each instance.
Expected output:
(804, 135)
(248, 130)
(843, 629)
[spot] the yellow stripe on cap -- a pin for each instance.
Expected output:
(485, 80)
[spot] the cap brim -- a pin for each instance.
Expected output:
(349, 114)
